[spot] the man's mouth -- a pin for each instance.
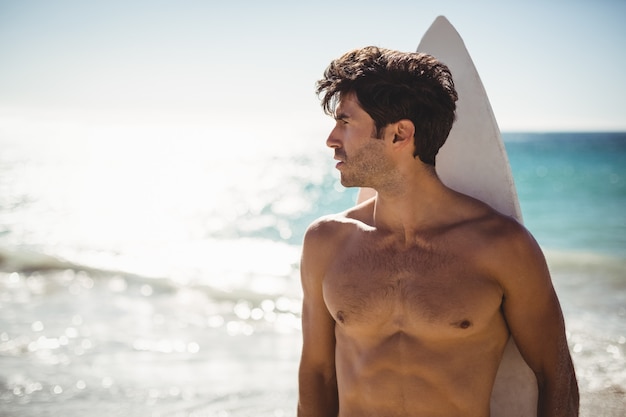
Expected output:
(340, 156)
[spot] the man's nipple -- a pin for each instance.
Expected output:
(463, 324)
(340, 317)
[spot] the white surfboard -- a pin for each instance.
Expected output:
(473, 161)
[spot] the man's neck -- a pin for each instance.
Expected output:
(422, 202)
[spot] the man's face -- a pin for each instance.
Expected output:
(361, 155)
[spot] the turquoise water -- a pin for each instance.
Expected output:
(157, 273)
(572, 189)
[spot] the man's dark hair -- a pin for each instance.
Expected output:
(391, 86)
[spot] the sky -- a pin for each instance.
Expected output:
(546, 65)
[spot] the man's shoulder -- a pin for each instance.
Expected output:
(502, 229)
(489, 230)
(502, 242)
(325, 238)
(496, 224)
(480, 217)
(331, 226)
(334, 225)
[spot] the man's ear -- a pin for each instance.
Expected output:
(403, 133)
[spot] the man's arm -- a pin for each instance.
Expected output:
(317, 379)
(534, 317)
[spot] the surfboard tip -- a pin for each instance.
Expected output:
(441, 21)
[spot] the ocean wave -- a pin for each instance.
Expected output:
(586, 263)
(28, 260)
(247, 269)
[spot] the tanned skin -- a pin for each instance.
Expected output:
(411, 296)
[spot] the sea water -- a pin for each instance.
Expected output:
(156, 273)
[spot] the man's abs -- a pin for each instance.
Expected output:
(399, 375)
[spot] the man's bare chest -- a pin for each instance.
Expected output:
(409, 289)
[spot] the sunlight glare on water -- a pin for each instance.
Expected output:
(152, 199)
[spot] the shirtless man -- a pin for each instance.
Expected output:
(410, 297)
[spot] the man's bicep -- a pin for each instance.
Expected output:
(318, 335)
(532, 309)
(534, 317)
(317, 323)
(317, 376)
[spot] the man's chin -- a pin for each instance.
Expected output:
(348, 183)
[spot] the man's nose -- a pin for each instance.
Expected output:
(332, 141)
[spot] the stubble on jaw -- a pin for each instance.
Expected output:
(368, 167)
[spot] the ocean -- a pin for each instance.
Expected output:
(149, 273)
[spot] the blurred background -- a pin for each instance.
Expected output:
(160, 161)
